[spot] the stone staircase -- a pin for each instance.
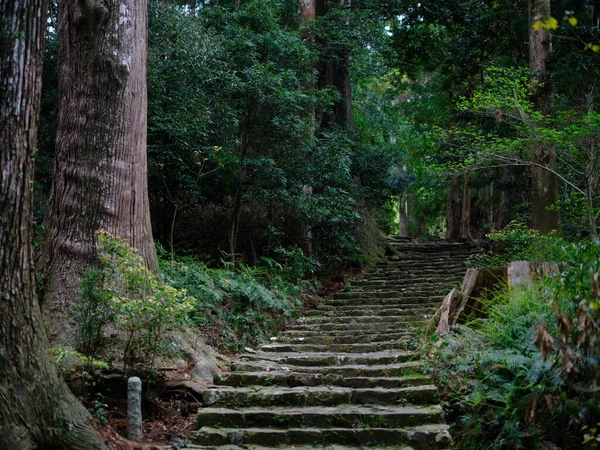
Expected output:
(344, 376)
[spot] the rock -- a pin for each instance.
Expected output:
(525, 273)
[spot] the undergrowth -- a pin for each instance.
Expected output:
(529, 374)
(239, 306)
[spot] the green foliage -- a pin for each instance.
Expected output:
(518, 242)
(126, 310)
(528, 373)
(241, 306)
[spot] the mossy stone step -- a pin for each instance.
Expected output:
(295, 379)
(362, 327)
(424, 437)
(332, 359)
(318, 395)
(350, 320)
(295, 447)
(351, 370)
(345, 416)
(346, 348)
(380, 310)
(344, 337)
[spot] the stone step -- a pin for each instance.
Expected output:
(362, 327)
(331, 359)
(226, 396)
(342, 337)
(294, 379)
(295, 447)
(397, 296)
(393, 283)
(348, 348)
(386, 300)
(424, 437)
(351, 370)
(345, 416)
(351, 320)
(382, 310)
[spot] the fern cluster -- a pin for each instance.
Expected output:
(236, 306)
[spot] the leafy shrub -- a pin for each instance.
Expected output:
(518, 242)
(530, 372)
(237, 306)
(126, 308)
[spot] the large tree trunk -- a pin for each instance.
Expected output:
(403, 214)
(100, 179)
(465, 219)
(37, 409)
(453, 208)
(307, 12)
(336, 72)
(544, 183)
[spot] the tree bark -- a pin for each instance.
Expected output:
(465, 220)
(100, 173)
(37, 409)
(403, 214)
(453, 208)
(544, 184)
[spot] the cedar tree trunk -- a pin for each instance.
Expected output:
(453, 208)
(37, 409)
(544, 183)
(465, 219)
(100, 179)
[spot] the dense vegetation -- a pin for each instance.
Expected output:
(281, 146)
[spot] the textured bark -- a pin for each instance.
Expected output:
(403, 214)
(544, 184)
(465, 219)
(453, 208)
(335, 72)
(307, 11)
(37, 409)
(100, 179)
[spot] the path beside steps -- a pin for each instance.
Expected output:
(344, 376)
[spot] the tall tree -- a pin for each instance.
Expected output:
(37, 409)
(100, 174)
(544, 183)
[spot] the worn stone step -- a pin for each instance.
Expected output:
(332, 359)
(295, 447)
(399, 297)
(350, 320)
(351, 370)
(368, 326)
(294, 379)
(318, 396)
(325, 309)
(423, 437)
(385, 300)
(347, 348)
(343, 337)
(345, 416)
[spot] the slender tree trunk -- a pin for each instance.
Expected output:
(544, 184)
(403, 214)
(235, 222)
(502, 208)
(453, 208)
(37, 409)
(465, 220)
(307, 12)
(100, 174)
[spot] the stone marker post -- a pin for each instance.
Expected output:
(134, 408)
